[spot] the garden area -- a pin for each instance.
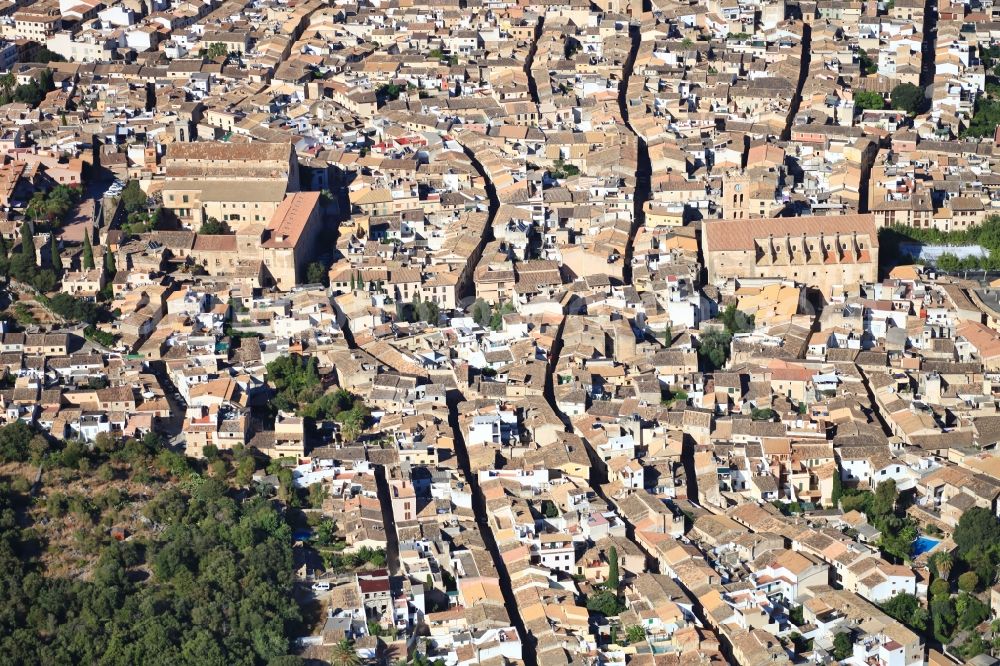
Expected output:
(298, 389)
(714, 345)
(140, 216)
(958, 608)
(885, 512)
(31, 93)
(986, 114)
(985, 235)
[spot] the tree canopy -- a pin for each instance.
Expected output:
(296, 381)
(32, 92)
(977, 528)
(220, 590)
(213, 227)
(908, 97)
(868, 99)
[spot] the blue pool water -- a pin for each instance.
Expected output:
(924, 545)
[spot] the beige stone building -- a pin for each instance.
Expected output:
(284, 246)
(819, 252)
(237, 183)
(290, 238)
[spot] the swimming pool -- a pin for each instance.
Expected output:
(923, 545)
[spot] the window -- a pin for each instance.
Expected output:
(185, 198)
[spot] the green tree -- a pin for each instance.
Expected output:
(968, 581)
(983, 560)
(216, 50)
(15, 440)
(714, 348)
(943, 618)
(603, 602)
(906, 608)
(317, 494)
(614, 577)
(210, 551)
(32, 92)
(244, 470)
(326, 533)
(973, 647)
(868, 99)
(27, 241)
(133, 198)
(55, 256)
(843, 646)
(942, 561)
(976, 527)
(49, 209)
(344, 654)
(867, 65)
(736, 321)
(481, 312)
(971, 612)
(898, 535)
(939, 588)
(388, 92)
(428, 311)
(88, 253)
(549, 509)
(986, 116)
(635, 634)
(110, 269)
(44, 55)
(352, 422)
(501, 309)
(296, 381)
(908, 97)
(316, 274)
(213, 227)
(885, 498)
(948, 262)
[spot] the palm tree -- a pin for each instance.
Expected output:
(344, 654)
(386, 654)
(943, 563)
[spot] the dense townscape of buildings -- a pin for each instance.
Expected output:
(605, 333)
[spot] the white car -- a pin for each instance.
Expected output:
(321, 586)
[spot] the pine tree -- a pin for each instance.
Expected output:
(109, 264)
(88, 253)
(27, 239)
(838, 489)
(55, 256)
(4, 260)
(613, 575)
